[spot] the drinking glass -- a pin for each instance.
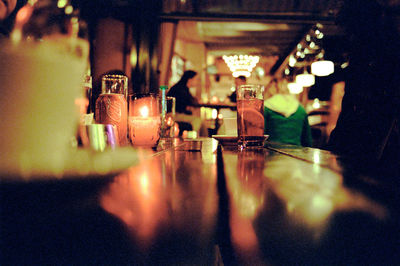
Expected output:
(99, 136)
(250, 116)
(167, 111)
(111, 105)
(115, 84)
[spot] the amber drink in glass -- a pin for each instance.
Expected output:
(250, 116)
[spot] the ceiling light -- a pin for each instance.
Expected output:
(260, 71)
(241, 73)
(241, 64)
(305, 79)
(344, 65)
(295, 88)
(292, 61)
(322, 68)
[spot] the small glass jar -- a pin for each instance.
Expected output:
(144, 120)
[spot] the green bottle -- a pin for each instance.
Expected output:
(163, 92)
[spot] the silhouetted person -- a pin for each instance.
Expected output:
(368, 125)
(184, 100)
(181, 92)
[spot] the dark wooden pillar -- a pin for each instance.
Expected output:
(144, 58)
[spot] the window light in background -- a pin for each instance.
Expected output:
(295, 88)
(305, 79)
(322, 68)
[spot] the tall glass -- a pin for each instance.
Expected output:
(250, 116)
(167, 117)
(111, 105)
(115, 84)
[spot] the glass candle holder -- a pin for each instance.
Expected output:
(144, 120)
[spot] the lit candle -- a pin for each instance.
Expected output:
(144, 122)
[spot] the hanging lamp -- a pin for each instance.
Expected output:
(295, 88)
(322, 68)
(305, 79)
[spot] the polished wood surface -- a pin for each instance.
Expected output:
(278, 205)
(294, 206)
(161, 211)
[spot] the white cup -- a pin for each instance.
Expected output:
(38, 87)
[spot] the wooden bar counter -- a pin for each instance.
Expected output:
(278, 205)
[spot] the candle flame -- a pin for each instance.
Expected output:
(144, 111)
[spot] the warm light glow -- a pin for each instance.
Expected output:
(241, 64)
(23, 14)
(144, 111)
(322, 68)
(214, 114)
(214, 99)
(292, 61)
(144, 184)
(241, 73)
(295, 88)
(68, 10)
(21, 19)
(61, 3)
(316, 104)
(260, 71)
(305, 79)
(317, 156)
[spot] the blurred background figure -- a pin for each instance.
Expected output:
(335, 105)
(368, 125)
(181, 92)
(241, 80)
(184, 101)
(286, 120)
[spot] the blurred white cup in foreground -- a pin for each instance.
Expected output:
(38, 88)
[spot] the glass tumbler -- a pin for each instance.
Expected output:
(112, 106)
(167, 112)
(250, 116)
